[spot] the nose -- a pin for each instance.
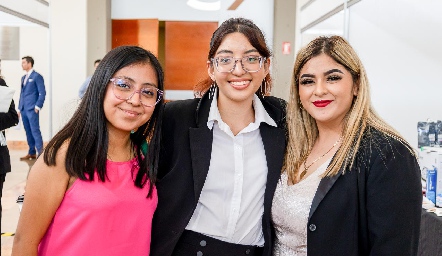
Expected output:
(135, 98)
(320, 88)
(238, 69)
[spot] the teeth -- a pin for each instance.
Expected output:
(239, 83)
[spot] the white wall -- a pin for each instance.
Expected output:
(404, 73)
(399, 44)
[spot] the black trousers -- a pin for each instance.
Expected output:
(196, 244)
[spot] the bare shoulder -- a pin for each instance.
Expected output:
(42, 172)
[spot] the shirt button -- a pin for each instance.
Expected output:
(199, 253)
(203, 243)
(312, 227)
(248, 251)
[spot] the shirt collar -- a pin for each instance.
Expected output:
(30, 71)
(261, 115)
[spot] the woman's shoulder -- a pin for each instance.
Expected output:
(376, 142)
(275, 101)
(181, 105)
(276, 108)
(180, 110)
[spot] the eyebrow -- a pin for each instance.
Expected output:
(228, 51)
(307, 75)
(325, 73)
(333, 71)
(130, 79)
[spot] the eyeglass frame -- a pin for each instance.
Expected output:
(262, 59)
(160, 93)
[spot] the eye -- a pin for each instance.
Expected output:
(251, 59)
(224, 60)
(306, 81)
(122, 84)
(334, 78)
(148, 92)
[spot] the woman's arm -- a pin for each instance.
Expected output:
(394, 201)
(45, 189)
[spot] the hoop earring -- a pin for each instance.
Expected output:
(264, 92)
(212, 90)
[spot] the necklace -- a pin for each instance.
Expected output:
(314, 161)
(131, 154)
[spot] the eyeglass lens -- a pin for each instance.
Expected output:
(249, 63)
(124, 90)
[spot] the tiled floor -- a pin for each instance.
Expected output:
(13, 187)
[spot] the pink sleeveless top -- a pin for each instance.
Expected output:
(103, 218)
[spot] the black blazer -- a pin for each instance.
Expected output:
(372, 209)
(184, 162)
(7, 120)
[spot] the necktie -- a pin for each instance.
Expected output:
(26, 79)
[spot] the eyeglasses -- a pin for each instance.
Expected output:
(250, 64)
(124, 90)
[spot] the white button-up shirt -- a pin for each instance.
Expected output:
(231, 204)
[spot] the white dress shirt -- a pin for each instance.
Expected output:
(231, 204)
(27, 76)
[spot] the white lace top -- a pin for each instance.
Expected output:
(290, 210)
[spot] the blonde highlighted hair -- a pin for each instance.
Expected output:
(302, 128)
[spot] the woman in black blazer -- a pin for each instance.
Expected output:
(350, 183)
(221, 155)
(7, 120)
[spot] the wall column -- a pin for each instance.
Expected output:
(283, 32)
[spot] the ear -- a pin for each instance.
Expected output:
(210, 70)
(267, 66)
(355, 89)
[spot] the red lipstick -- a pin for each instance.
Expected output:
(322, 103)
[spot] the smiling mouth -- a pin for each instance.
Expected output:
(132, 113)
(239, 84)
(322, 103)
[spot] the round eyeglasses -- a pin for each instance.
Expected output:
(123, 89)
(249, 64)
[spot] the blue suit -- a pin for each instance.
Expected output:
(32, 95)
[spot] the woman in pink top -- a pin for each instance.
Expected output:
(92, 192)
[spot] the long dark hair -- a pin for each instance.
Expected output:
(87, 132)
(256, 39)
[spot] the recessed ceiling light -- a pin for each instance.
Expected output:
(205, 5)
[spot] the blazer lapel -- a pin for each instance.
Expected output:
(274, 146)
(201, 139)
(324, 186)
(201, 150)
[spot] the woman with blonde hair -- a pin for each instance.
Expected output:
(350, 184)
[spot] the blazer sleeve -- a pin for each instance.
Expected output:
(10, 118)
(39, 81)
(394, 201)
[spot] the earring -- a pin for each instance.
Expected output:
(212, 90)
(264, 92)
